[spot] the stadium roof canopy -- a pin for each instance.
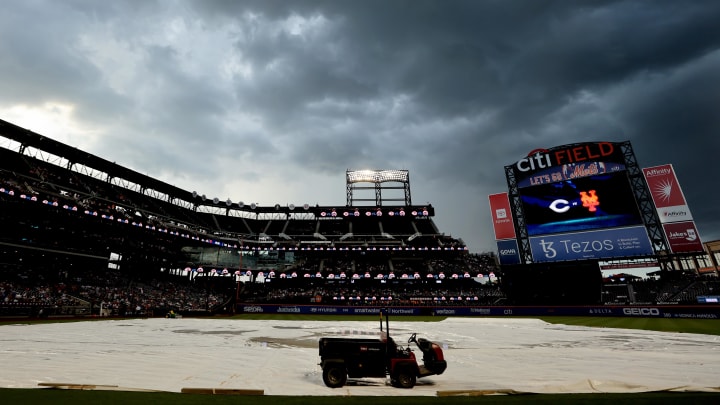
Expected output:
(74, 156)
(27, 138)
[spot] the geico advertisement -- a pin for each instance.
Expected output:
(601, 244)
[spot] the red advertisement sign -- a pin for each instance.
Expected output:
(666, 194)
(664, 186)
(683, 237)
(502, 216)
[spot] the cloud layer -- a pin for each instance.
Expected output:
(271, 101)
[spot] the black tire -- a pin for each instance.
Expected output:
(405, 378)
(334, 375)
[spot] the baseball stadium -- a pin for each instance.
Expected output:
(150, 266)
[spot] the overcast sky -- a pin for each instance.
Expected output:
(272, 101)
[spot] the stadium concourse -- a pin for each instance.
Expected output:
(274, 357)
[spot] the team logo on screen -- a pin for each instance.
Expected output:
(560, 205)
(589, 200)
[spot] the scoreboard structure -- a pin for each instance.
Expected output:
(584, 202)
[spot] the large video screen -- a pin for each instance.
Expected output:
(596, 202)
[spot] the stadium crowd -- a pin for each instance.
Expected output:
(682, 288)
(103, 293)
(112, 293)
(59, 229)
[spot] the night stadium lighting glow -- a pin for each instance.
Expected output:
(376, 176)
(261, 245)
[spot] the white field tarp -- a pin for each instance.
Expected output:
(281, 357)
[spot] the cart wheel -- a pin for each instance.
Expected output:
(334, 375)
(405, 378)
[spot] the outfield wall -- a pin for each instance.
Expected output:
(645, 311)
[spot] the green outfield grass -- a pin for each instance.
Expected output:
(680, 325)
(74, 397)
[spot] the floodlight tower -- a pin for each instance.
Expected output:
(378, 178)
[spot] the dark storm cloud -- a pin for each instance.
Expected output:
(678, 120)
(30, 67)
(452, 90)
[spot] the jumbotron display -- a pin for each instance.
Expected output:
(576, 202)
(602, 201)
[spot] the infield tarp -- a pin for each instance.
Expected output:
(281, 357)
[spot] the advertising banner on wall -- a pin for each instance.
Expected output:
(508, 252)
(680, 230)
(683, 237)
(502, 216)
(709, 311)
(599, 244)
(666, 194)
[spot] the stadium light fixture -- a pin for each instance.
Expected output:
(376, 176)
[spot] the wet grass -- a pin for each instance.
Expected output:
(677, 325)
(73, 397)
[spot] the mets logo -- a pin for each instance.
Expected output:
(590, 200)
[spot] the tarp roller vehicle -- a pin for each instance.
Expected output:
(343, 358)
